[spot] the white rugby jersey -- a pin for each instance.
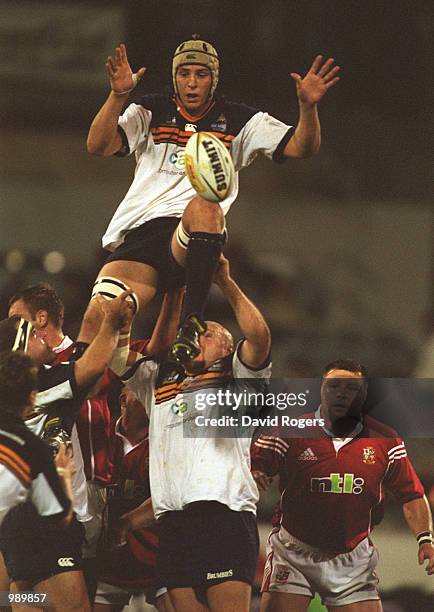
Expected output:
(57, 384)
(184, 470)
(156, 131)
(27, 472)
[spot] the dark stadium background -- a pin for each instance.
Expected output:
(337, 250)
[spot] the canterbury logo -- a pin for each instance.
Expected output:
(65, 562)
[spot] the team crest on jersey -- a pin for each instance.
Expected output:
(369, 455)
(178, 159)
(282, 574)
(220, 125)
(180, 407)
(190, 127)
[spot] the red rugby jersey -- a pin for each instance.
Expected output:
(133, 565)
(93, 426)
(334, 490)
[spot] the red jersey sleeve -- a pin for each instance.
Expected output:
(268, 454)
(401, 479)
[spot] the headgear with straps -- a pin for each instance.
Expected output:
(24, 332)
(197, 51)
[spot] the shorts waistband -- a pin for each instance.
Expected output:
(206, 506)
(289, 539)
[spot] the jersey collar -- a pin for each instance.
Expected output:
(66, 343)
(181, 110)
(340, 441)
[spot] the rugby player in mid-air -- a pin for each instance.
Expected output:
(162, 225)
(333, 483)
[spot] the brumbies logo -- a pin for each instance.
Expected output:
(369, 455)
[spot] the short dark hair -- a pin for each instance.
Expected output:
(350, 365)
(41, 296)
(18, 378)
(8, 332)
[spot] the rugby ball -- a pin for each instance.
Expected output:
(209, 166)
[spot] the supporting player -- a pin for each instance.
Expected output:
(27, 469)
(127, 567)
(162, 225)
(41, 305)
(333, 493)
(61, 389)
(206, 502)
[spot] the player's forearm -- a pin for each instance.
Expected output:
(98, 355)
(103, 138)
(306, 140)
(139, 518)
(250, 320)
(167, 323)
(123, 357)
(418, 515)
(65, 480)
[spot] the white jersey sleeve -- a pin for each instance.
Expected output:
(135, 122)
(240, 370)
(141, 379)
(261, 134)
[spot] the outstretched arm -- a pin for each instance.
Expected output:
(311, 89)
(418, 516)
(117, 314)
(104, 138)
(256, 347)
(162, 337)
(167, 323)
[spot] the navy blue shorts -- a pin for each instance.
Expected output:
(34, 550)
(206, 544)
(150, 244)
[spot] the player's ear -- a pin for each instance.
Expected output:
(41, 318)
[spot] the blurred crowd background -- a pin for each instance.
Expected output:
(337, 251)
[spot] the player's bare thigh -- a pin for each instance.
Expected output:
(230, 596)
(185, 600)
(139, 276)
(66, 592)
(4, 578)
(372, 605)
(282, 602)
(164, 604)
(19, 587)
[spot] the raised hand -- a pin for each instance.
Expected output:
(318, 80)
(118, 311)
(122, 78)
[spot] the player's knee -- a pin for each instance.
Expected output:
(203, 216)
